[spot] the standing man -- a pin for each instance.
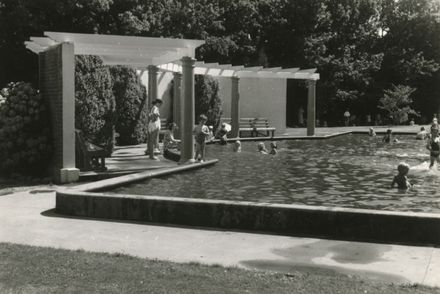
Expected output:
(347, 118)
(153, 129)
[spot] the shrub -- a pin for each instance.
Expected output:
(396, 102)
(94, 101)
(25, 144)
(207, 100)
(131, 107)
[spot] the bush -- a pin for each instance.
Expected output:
(131, 106)
(25, 144)
(94, 101)
(207, 100)
(396, 102)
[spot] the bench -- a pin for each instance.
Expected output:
(88, 156)
(254, 126)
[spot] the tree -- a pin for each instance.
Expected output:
(207, 100)
(396, 102)
(131, 109)
(94, 101)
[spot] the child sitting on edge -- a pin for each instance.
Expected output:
(434, 146)
(201, 132)
(237, 146)
(422, 134)
(371, 132)
(273, 148)
(262, 148)
(387, 137)
(168, 140)
(401, 180)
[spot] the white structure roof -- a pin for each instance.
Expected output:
(120, 50)
(228, 70)
(139, 52)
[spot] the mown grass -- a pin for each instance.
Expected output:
(27, 269)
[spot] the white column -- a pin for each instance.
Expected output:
(311, 105)
(152, 84)
(187, 111)
(235, 107)
(177, 101)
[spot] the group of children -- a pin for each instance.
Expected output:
(202, 133)
(433, 146)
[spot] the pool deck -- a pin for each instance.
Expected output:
(27, 217)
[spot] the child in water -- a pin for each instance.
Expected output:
(262, 148)
(401, 180)
(434, 146)
(201, 132)
(273, 148)
(387, 137)
(237, 146)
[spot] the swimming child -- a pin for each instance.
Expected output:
(434, 146)
(422, 134)
(273, 148)
(262, 148)
(201, 132)
(371, 132)
(237, 146)
(387, 137)
(168, 140)
(401, 180)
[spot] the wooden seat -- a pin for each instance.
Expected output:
(88, 155)
(253, 126)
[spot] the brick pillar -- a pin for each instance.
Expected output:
(177, 101)
(57, 85)
(235, 107)
(152, 84)
(311, 105)
(187, 111)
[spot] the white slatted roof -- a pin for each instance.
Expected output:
(120, 50)
(227, 70)
(139, 52)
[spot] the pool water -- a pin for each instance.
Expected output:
(346, 171)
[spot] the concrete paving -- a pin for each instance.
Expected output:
(27, 217)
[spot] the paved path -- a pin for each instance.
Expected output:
(27, 218)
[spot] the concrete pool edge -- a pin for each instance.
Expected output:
(286, 219)
(134, 177)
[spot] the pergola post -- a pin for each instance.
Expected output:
(187, 110)
(177, 101)
(152, 84)
(57, 84)
(311, 105)
(235, 107)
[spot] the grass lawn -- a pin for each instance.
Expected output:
(27, 269)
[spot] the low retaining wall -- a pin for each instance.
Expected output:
(297, 220)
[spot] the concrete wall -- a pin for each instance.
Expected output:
(258, 98)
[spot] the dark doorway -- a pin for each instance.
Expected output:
(296, 103)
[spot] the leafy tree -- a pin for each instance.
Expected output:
(207, 100)
(131, 108)
(397, 103)
(25, 141)
(94, 101)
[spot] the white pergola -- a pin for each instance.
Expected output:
(165, 54)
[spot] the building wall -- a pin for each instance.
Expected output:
(258, 98)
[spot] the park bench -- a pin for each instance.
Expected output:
(253, 126)
(88, 155)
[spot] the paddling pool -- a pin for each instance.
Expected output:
(353, 171)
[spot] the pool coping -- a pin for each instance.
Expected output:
(415, 228)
